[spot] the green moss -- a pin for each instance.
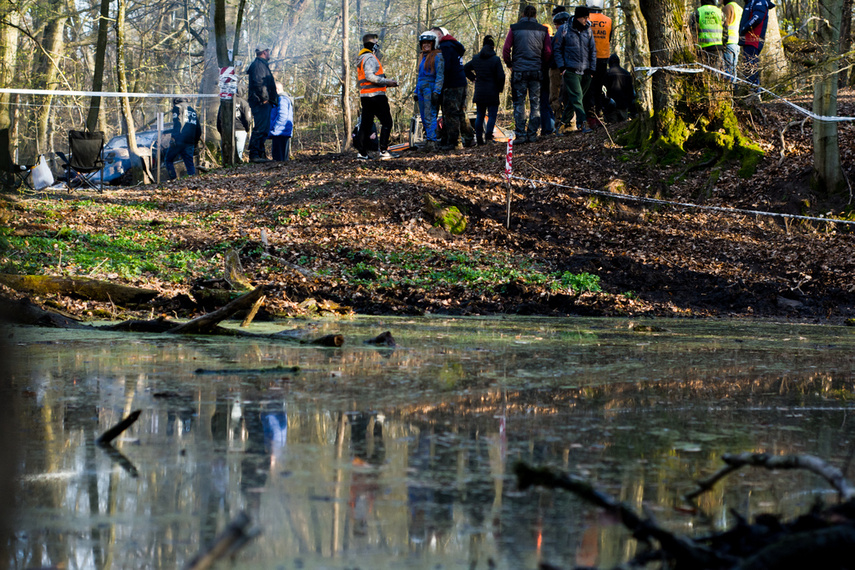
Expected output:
(672, 135)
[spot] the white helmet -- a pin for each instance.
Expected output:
(429, 36)
(595, 4)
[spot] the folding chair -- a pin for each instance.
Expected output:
(85, 151)
(9, 170)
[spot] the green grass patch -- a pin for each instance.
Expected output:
(479, 272)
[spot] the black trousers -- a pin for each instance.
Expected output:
(374, 107)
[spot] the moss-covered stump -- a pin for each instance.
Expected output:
(447, 216)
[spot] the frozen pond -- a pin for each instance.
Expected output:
(368, 457)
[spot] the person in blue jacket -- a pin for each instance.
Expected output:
(752, 35)
(281, 126)
(429, 86)
(186, 133)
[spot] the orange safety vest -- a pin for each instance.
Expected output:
(366, 86)
(601, 27)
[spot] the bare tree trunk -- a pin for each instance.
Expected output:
(345, 73)
(47, 71)
(95, 114)
(8, 55)
(638, 50)
(774, 61)
(828, 176)
(227, 106)
(385, 25)
(845, 40)
(121, 77)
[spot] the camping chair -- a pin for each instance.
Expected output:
(85, 151)
(8, 169)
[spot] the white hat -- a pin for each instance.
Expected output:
(595, 4)
(261, 48)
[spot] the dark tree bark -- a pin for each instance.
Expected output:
(227, 106)
(93, 118)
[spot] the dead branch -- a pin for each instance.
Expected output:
(253, 311)
(227, 543)
(289, 265)
(208, 322)
(112, 433)
(735, 461)
(684, 549)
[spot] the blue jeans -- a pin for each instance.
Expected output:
(526, 83)
(731, 55)
(752, 64)
(185, 151)
(491, 112)
(428, 112)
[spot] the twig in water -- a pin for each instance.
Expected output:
(112, 433)
(233, 538)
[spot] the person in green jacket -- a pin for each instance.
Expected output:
(708, 25)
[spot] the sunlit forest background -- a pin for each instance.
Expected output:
(169, 48)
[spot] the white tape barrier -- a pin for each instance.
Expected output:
(104, 93)
(682, 204)
(700, 67)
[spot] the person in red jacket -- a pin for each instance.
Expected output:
(752, 35)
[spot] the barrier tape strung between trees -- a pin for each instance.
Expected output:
(682, 204)
(104, 93)
(699, 68)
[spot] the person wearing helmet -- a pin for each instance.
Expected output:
(527, 47)
(485, 69)
(601, 28)
(262, 96)
(372, 83)
(429, 86)
(456, 126)
(557, 93)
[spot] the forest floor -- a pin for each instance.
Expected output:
(325, 232)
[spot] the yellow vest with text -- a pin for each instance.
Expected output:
(710, 26)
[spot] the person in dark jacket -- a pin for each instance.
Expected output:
(485, 69)
(576, 57)
(456, 126)
(752, 35)
(527, 48)
(262, 96)
(621, 91)
(557, 93)
(186, 132)
(243, 122)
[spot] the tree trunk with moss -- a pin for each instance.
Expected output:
(689, 111)
(828, 175)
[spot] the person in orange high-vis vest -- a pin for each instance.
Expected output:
(372, 83)
(601, 27)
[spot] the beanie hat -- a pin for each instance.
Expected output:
(558, 10)
(488, 41)
(581, 12)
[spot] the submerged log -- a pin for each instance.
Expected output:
(207, 324)
(227, 543)
(82, 287)
(108, 436)
(25, 312)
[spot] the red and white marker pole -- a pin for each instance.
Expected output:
(509, 169)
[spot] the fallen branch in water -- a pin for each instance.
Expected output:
(736, 461)
(233, 538)
(823, 538)
(108, 436)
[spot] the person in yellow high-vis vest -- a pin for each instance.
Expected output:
(708, 25)
(732, 14)
(601, 28)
